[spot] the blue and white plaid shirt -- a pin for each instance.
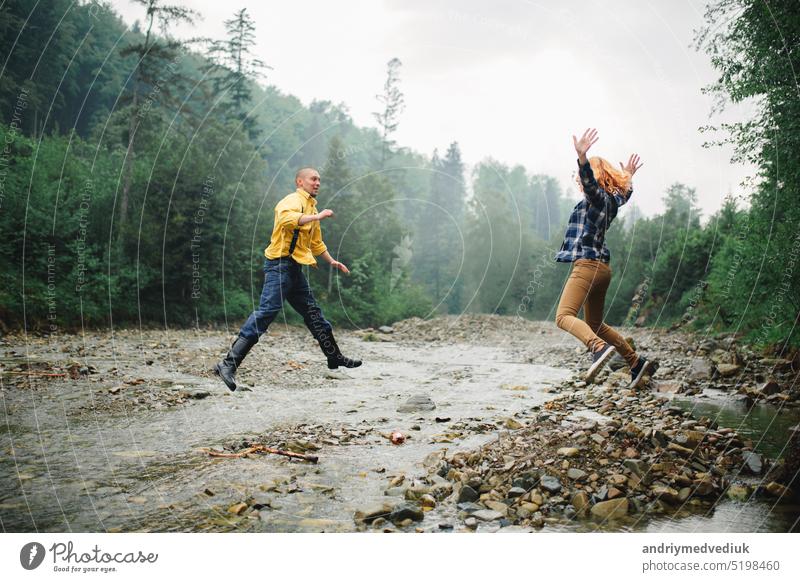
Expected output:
(591, 217)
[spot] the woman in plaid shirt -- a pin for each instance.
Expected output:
(605, 189)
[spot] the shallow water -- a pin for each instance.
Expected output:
(124, 471)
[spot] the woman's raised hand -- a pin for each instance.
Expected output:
(582, 145)
(632, 165)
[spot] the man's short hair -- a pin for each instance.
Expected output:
(302, 171)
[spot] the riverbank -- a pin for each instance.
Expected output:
(106, 432)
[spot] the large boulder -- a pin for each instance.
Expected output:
(700, 370)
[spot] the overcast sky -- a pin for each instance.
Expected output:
(510, 79)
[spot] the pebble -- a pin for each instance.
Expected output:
(418, 403)
(467, 494)
(487, 515)
(576, 474)
(550, 483)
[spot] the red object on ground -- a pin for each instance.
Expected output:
(398, 438)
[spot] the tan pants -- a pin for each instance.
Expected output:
(586, 287)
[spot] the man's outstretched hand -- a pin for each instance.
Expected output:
(588, 139)
(341, 266)
(325, 214)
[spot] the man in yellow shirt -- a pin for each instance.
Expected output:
(296, 240)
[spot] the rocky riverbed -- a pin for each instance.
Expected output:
(124, 432)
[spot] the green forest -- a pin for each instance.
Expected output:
(139, 172)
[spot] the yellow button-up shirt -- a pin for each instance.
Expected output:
(309, 241)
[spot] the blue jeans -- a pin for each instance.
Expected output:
(284, 279)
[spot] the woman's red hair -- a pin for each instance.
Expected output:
(612, 180)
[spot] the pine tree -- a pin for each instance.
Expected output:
(454, 196)
(393, 104)
(236, 67)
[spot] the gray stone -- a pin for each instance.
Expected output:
(487, 515)
(469, 507)
(516, 492)
(576, 474)
(467, 494)
(550, 483)
(406, 511)
(700, 369)
(752, 462)
(418, 403)
(598, 438)
(526, 481)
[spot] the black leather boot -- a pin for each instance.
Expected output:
(226, 369)
(337, 359)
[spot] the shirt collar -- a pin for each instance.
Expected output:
(304, 194)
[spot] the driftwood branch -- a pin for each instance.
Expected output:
(263, 449)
